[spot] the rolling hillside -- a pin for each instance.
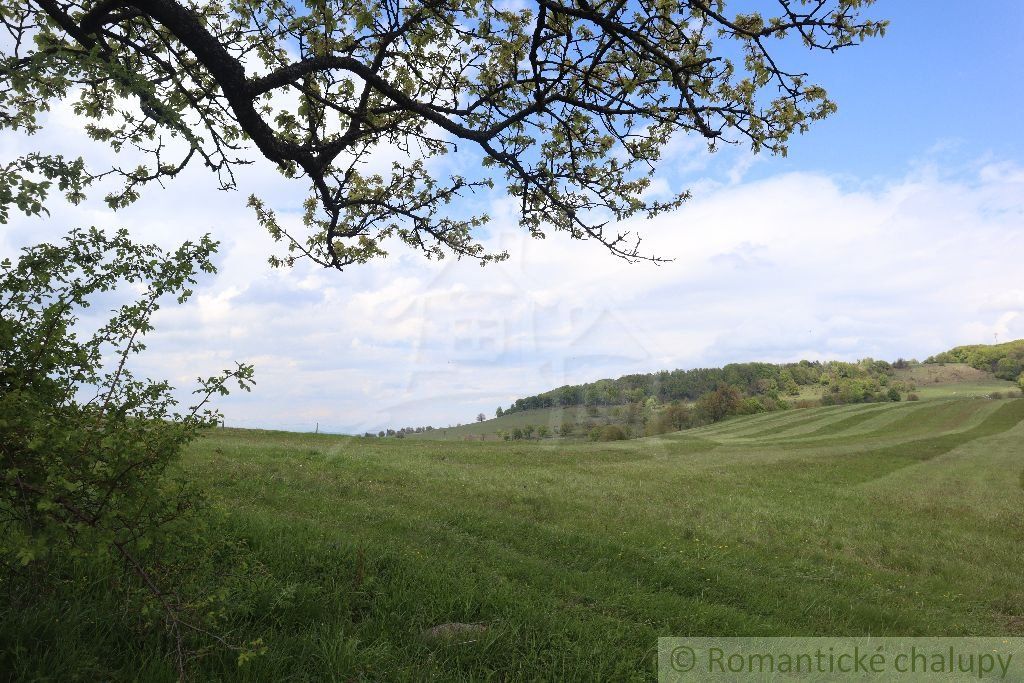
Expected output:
(930, 381)
(571, 559)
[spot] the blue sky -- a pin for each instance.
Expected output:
(946, 74)
(894, 228)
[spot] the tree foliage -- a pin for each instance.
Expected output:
(678, 385)
(569, 104)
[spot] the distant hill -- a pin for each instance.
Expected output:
(646, 404)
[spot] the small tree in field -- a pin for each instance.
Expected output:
(481, 417)
(84, 444)
(718, 404)
(608, 433)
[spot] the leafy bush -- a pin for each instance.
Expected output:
(608, 433)
(750, 406)
(613, 433)
(84, 444)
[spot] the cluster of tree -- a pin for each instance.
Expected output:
(399, 433)
(652, 417)
(714, 406)
(1005, 361)
(867, 381)
(860, 391)
(527, 432)
(762, 380)
(674, 385)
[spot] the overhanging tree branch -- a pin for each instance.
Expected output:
(568, 103)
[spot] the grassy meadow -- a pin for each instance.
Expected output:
(881, 519)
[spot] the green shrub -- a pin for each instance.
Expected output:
(750, 406)
(608, 433)
(84, 444)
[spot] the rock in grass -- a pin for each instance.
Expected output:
(453, 630)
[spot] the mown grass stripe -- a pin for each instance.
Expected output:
(943, 416)
(845, 423)
(798, 422)
(872, 464)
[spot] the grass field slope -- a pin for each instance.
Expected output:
(881, 519)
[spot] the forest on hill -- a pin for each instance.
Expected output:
(763, 383)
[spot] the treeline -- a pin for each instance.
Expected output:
(1005, 361)
(867, 379)
(400, 433)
